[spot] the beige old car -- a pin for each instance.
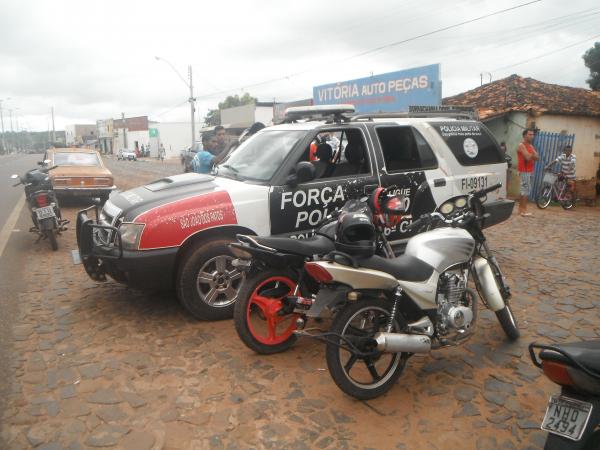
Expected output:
(80, 172)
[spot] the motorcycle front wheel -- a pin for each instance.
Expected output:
(373, 373)
(544, 197)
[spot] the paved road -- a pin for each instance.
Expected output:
(103, 365)
(9, 165)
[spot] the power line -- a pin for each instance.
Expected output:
(393, 44)
(546, 54)
(439, 30)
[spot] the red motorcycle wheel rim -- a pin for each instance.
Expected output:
(269, 307)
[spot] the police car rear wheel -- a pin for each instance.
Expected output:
(207, 283)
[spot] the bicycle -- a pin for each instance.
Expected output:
(555, 187)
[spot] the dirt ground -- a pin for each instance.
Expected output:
(102, 365)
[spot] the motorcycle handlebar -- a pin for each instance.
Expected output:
(485, 191)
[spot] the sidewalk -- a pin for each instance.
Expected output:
(100, 365)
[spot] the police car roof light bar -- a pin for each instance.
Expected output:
(426, 111)
(320, 112)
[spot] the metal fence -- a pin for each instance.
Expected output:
(549, 146)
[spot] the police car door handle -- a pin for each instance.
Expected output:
(439, 182)
(369, 188)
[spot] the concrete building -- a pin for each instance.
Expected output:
(175, 136)
(79, 134)
(240, 117)
(510, 105)
(106, 135)
(131, 133)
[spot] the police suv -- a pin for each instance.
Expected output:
(282, 181)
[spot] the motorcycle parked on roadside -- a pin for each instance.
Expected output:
(414, 303)
(277, 297)
(572, 417)
(42, 204)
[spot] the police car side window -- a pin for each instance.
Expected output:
(471, 142)
(404, 149)
(349, 154)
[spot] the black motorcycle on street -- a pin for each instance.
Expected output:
(572, 418)
(277, 298)
(42, 203)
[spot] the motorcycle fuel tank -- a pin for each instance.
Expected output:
(442, 248)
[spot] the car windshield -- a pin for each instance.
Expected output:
(76, 159)
(259, 157)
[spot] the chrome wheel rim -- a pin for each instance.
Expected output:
(218, 282)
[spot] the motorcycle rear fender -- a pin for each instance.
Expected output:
(487, 285)
(358, 277)
(271, 258)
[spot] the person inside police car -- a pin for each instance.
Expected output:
(324, 160)
(527, 155)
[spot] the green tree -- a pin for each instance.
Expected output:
(591, 58)
(213, 117)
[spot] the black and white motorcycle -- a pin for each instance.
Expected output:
(42, 203)
(393, 308)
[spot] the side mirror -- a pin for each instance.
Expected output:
(305, 171)
(40, 163)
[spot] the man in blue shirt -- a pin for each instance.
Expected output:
(206, 158)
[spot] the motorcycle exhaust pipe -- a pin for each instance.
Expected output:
(400, 342)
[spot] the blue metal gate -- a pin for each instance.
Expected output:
(549, 146)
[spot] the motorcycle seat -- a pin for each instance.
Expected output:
(314, 245)
(403, 267)
(586, 353)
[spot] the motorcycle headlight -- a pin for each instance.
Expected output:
(130, 235)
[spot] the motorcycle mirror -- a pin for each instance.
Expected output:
(14, 176)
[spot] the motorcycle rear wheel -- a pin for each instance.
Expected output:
(51, 235)
(256, 313)
(363, 378)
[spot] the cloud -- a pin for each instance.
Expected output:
(96, 60)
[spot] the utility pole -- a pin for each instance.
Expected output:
(53, 130)
(192, 107)
(124, 131)
(12, 131)
(2, 122)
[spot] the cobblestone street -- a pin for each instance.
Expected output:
(101, 365)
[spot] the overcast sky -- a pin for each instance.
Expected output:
(94, 60)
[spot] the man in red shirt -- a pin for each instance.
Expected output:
(526, 154)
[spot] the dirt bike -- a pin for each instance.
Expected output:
(277, 298)
(391, 309)
(572, 417)
(43, 205)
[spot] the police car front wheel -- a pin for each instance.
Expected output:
(207, 283)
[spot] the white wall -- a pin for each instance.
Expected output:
(587, 139)
(264, 114)
(175, 136)
(69, 134)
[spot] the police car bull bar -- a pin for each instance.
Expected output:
(93, 248)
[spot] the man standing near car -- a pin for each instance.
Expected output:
(526, 155)
(221, 139)
(206, 158)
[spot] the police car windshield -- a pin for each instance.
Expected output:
(259, 157)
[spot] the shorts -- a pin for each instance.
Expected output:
(526, 182)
